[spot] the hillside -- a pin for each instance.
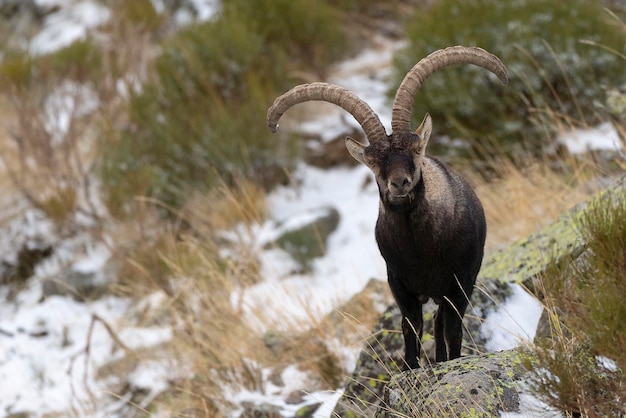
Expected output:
(164, 255)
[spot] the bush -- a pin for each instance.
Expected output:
(553, 75)
(202, 115)
(80, 61)
(53, 101)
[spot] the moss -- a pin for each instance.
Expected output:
(469, 386)
(309, 241)
(307, 410)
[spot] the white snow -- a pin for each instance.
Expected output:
(94, 260)
(44, 365)
(368, 75)
(352, 255)
(513, 322)
(206, 9)
(601, 137)
(531, 407)
(70, 23)
(68, 102)
(44, 362)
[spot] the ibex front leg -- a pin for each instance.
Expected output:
(412, 322)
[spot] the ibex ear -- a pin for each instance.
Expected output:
(356, 149)
(424, 131)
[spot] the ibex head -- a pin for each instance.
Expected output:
(395, 159)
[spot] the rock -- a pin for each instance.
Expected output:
(26, 259)
(472, 386)
(307, 411)
(10, 8)
(332, 153)
(616, 102)
(79, 285)
(304, 236)
(261, 411)
(523, 260)
(383, 353)
(19, 415)
(381, 357)
(86, 278)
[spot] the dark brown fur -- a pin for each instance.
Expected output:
(432, 253)
(431, 227)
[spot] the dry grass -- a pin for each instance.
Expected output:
(522, 200)
(222, 350)
(7, 185)
(181, 256)
(218, 342)
(578, 357)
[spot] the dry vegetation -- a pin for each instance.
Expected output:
(175, 248)
(523, 199)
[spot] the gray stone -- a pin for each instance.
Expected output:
(381, 357)
(383, 353)
(471, 386)
(307, 240)
(79, 285)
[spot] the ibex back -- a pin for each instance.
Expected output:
(431, 226)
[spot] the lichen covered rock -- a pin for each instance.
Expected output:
(472, 386)
(381, 357)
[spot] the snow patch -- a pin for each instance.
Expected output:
(513, 322)
(601, 137)
(352, 254)
(69, 24)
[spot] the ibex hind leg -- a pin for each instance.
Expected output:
(412, 331)
(441, 352)
(452, 318)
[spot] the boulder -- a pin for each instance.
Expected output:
(304, 235)
(77, 284)
(471, 386)
(332, 152)
(382, 355)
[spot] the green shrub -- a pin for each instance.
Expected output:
(138, 13)
(80, 61)
(202, 115)
(16, 71)
(553, 75)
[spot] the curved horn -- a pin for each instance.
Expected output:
(369, 121)
(403, 103)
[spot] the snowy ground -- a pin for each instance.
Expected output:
(50, 349)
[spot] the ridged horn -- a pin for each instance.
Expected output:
(403, 102)
(350, 102)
